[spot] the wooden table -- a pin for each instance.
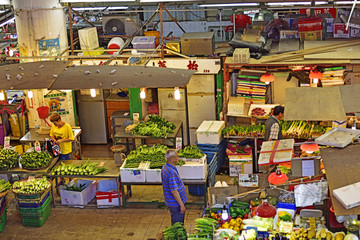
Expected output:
(202, 182)
(171, 136)
(342, 168)
(32, 136)
(112, 172)
(19, 170)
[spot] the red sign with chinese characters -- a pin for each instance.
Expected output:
(332, 11)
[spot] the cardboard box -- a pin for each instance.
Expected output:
(193, 169)
(348, 196)
(88, 38)
(289, 34)
(209, 132)
(80, 198)
(340, 31)
(134, 174)
(354, 32)
(107, 194)
(241, 55)
(274, 152)
(236, 106)
(218, 195)
(329, 20)
(197, 43)
(302, 167)
(248, 180)
(240, 167)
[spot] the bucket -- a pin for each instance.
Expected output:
(43, 112)
(115, 43)
(153, 33)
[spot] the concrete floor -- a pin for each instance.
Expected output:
(137, 222)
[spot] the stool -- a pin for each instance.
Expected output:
(119, 156)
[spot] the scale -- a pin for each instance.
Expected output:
(353, 226)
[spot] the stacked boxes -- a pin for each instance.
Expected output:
(34, 208)
(250, 87)
(240, 159)
(333, 77)
(310, 29)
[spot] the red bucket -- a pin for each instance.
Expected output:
(43, 112)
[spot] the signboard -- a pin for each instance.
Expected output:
(49, 47)
(331, 11)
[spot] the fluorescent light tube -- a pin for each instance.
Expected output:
(97, 1)
(4, 2)
(8, 21)
(344, 2)
(166, 1)
(230, 5)
(100, 8)
(293, 3)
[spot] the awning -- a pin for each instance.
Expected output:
(58, 75)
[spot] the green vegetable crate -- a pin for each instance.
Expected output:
(36, 219)
(3, 218)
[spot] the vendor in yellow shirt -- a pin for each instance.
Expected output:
(62, 134)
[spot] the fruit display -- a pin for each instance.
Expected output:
(258, 112)
(33, 160)
(86, 168)
(8, 159)
(155, 126)
(31, 186)
(190, 152)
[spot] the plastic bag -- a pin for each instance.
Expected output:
(308, 194)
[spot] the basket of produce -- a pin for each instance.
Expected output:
(155, 126)
(31, 188)
(191, 152)
(86, 168)
(8, 159)
(4, 188)
(35, 160)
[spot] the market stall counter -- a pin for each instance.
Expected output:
(111, 172)
(128, 136)
(39, 171)
(32, 136)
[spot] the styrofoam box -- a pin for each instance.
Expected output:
(349, 195)
(209, 132)
(81, 198)
(144, 42)
(88, 38)
(134, 174)
(193, 169)
(153, 175)
(107, 194)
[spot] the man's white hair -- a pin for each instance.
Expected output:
(170, 154)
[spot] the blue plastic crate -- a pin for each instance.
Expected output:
(211, 147)
(35, 204)
(196, 190)
(211, 179)
(212, 166)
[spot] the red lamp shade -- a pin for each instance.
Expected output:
(277, 177)
(265, 210)
(267, 78)
(309, 147)
(315, 75)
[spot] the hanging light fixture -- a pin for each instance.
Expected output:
(277, 177)
(177, 93)
(143, 93)
(224, 214)
(30, 94)
(315, 76)
(267, 78)
(2, 96)
(309, 147)
(92, 92)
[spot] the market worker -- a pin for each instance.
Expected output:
(62, 134)
(272, 125)
(174, 189)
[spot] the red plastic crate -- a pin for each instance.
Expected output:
(310, 24)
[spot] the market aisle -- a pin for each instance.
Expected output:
(91, 224)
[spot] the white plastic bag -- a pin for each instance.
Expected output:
(308, 194)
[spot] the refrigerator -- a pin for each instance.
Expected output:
(92, 116)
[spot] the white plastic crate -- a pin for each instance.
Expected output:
(81, 198)
(209, 132)
(153, 175)
(144, 42)
(193, 169)
(134, 174)
(107, 194)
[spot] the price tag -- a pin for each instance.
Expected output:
(37, 146)
(101, 164)
(178, 143)
(6, 142)
(30, 178)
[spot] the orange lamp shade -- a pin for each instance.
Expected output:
(267, 78)
(277, 177)
(315, 75)
(265, 210)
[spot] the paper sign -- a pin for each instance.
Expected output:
(248, 180)
(308, 168)
(6, 142)
(178, 143)
(37, 146)
(285, 227)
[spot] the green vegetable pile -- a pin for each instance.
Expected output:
(4, 185)
(76, 188)
(72, 169)
(239, 209)
(8, 159)
(204, 228)
(190, 152)
(156, 126)
(35, 159)
(256, 130)
(155, 155)
(34, 185)
(175, 232)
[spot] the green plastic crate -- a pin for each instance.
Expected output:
(37, 221)
(31, 196)
(38, 199)
(35, 211)
(3, 219)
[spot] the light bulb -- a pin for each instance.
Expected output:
(309, 152)
(30, 94)
(224, 214)
(177, 93)
(315, 80)
(2, 96)
(142, 93)
(267, 83)
(92, 92)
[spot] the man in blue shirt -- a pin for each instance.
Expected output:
(174, 189)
